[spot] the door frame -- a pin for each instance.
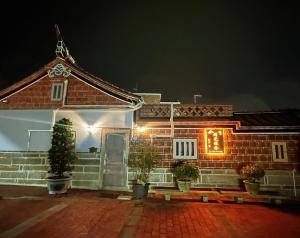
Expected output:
(126, 132)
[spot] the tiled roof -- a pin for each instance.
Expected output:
(276, 118)
(91, 79)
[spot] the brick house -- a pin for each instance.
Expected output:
(102, 116)
(213, 137)
(188, 132)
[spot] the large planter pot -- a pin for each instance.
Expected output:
(58, 185)
(140, 191)
(252, 188)
(183, 185)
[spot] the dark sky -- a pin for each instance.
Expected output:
(240, 52)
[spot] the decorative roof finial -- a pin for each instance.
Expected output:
(61, 48)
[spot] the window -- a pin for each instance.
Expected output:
(185, 148)
(57, 91)
(279, 152)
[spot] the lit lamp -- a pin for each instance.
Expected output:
(91, 129)
(141, 129)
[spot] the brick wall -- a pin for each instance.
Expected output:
(83, 94)
(240, 149)
(38, 95)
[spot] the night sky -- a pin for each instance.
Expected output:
(245, 53)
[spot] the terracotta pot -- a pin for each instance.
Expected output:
(252, 188)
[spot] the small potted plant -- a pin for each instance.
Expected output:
(251, 175)
(61, 157)
(93, 149)
(185, 173)
(142, 158)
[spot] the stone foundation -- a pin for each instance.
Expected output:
(274, 180)
(30, 168)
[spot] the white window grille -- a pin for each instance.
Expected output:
(57, 91)
(185, 148)
(279, 152)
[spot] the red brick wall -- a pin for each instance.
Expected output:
(38, 95)
(83, 94)
(239, 148)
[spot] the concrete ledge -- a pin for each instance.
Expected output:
(87, 162)
(85, 176)
(85, 184)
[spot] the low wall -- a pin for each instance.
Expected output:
(30, 168)
(274, 180)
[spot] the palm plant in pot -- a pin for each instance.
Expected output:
(61, 157)
(251, 175)
(142, 158)
(185, 173)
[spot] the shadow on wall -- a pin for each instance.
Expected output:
(15, 126)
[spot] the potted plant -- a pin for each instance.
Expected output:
(185, 173)
(251, 174)
(142, 158)
(61, 157)
(93, 149)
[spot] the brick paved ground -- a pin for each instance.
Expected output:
(193, 219)
(21, 210)
(86, 214)
(84, 218)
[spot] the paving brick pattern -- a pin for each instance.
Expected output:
(189, 219)
(87, 214)
(84, 218)
(21, 210)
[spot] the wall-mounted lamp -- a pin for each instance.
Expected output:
(91, 129)
(141, 129)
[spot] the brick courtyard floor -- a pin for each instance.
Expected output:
(84, 213)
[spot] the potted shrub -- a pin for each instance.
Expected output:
(185, 173)
(142, 158)
(61, 157)
(251, 174)
(93, 149)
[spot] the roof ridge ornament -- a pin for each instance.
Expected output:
(59, 70)
(61, 48)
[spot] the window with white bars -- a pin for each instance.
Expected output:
(57, 91)
(279, 152)
(184, 148)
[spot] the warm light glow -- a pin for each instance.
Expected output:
(141, 129)
(214, 141)
(91, 129)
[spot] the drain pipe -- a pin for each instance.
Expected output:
(100, 173)
(295, 190)
(172, 121)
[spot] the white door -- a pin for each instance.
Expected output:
(115, 161)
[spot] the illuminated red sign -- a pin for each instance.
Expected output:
(214, 141)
